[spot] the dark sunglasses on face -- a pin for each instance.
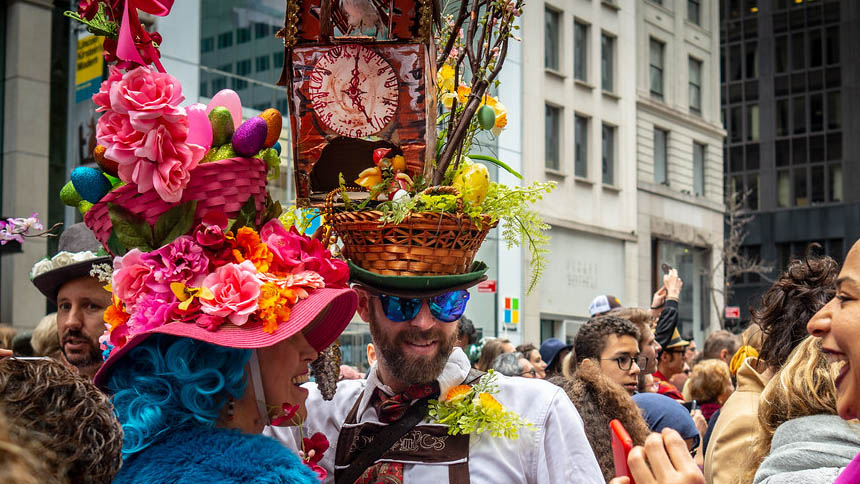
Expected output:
(447, 307)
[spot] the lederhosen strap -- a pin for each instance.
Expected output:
(360, 446)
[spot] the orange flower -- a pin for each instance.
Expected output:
(114, 315)
(247, 246)
(275, 303)
(457, 392)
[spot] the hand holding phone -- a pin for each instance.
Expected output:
(622, 444)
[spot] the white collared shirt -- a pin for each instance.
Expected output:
(556, 451)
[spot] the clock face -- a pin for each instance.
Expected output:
(353, 90)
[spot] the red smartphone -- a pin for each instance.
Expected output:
(622, 444)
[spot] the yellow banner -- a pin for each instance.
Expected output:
(90, 60)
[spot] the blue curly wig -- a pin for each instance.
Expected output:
(168, 382)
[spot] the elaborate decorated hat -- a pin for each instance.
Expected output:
(79, 253)
(385, 127)
(180, 201)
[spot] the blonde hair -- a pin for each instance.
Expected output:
(568, 365)
(804, 386)
(492, 348)
(640, 317)
(7, 334)
(752, 336)
(45, 339)
(709, 380)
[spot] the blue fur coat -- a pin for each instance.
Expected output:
(214, 455)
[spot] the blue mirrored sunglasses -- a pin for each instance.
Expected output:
(447, 307)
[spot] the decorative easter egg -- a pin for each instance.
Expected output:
(273, 120)
(227, 98)
(84, 207)
(90, 183)
(108, 166)
(486, 117)
(199, 126)
(224, 152)
(472, 182)
(221, 122)
(69, 196)
(250, 137)
(277, 147)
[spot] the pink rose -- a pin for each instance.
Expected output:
(102, 98)
(294, 251)
(130, 277)
(286, 247)
(114, 131)
(152, 311)
(236, 289)
(146, 96)
(210, 232)
(165, 161)
(209, 322)
(179, 261)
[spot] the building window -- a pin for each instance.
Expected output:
(551, 41)
(580, 146)
(656, 75)
(835, 186)
(243, 35)
(799, 111)
(580, 51)
(553, 136)
(608, 154)
(278, 59)
(695, 85)
(207, 44)
(751, 53)
(225, 40)
(752, 122)
(783, 189)
(262, 63)
(261, 30)
(693, 14)
(661, 169)
(801, 199)
(698, 169)
(782, 117)
(243, 68)
(607, 63)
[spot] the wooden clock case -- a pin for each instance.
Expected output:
(320, 154)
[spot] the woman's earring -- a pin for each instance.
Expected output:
(231, 408)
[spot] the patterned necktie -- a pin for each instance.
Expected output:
(392, 408)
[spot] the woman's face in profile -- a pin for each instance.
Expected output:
(283, 368)
(838, 324)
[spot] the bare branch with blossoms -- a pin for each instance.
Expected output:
(473, 44)
(18, 228)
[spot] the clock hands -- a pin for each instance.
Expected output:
(354, 92)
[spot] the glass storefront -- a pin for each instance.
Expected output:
(692, 264)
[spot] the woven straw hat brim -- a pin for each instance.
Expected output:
(416, 286)
(49, 283)
(322, 317)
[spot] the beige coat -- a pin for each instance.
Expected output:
(733, 434)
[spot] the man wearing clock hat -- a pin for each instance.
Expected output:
(413, 323)
(70, 279)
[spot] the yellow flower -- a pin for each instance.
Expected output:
(187, 294)
(445, 78)
(448, 99)
(463, 92)
(489, 402)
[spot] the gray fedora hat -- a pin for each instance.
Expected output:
(79, 252)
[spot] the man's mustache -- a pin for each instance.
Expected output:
(74, 334)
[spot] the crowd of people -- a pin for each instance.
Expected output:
(773, 405)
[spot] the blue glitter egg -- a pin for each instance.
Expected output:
(90, 183)
(277, 147)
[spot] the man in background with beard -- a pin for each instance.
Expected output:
(414, 333)
(80, 297)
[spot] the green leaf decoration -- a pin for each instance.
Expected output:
(115, 246)
(496, 162)
(174, 223)
(132, 231)
(273, 210)
(246, 217)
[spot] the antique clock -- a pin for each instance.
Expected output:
(357, 80)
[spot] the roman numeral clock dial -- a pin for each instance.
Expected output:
(354, 91)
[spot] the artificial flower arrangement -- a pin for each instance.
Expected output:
(313, 448)
(473, 45)
(18, 228)
(224, 272)
(474, 410)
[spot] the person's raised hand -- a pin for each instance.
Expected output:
(659, 298)
(673, 284)
(670, 462)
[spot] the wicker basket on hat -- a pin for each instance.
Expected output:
(423, 244)
(223, 185)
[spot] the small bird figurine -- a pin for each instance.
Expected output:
(362, 15)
